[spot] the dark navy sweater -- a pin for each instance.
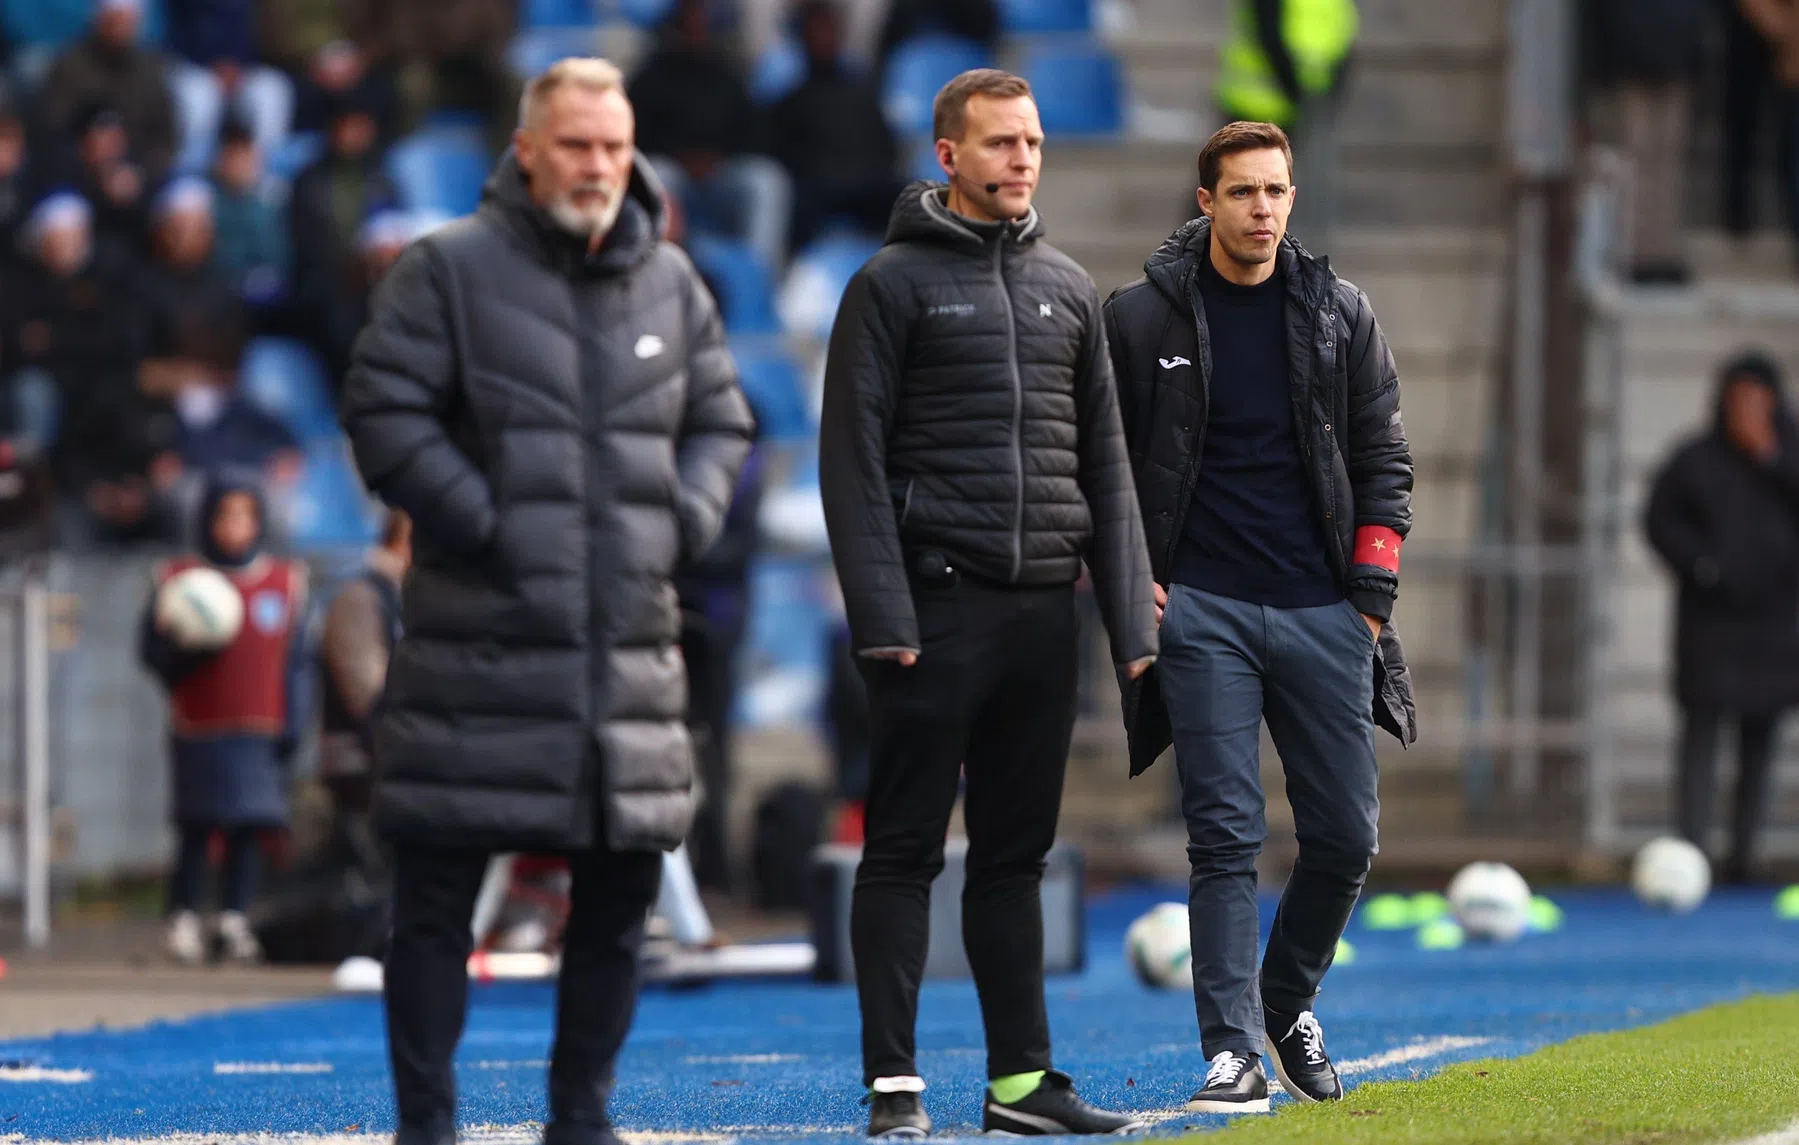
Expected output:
(1250, 533)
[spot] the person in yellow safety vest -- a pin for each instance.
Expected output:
(1283, 55)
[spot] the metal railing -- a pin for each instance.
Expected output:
(25, 620)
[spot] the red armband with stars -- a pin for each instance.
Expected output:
(1379, 546)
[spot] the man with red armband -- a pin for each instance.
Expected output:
(1261, 406)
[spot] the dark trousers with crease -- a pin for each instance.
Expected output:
(427, 985)
(991, 698)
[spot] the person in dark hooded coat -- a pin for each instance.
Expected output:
(1724, 517)
(232, 714)
(545, 390)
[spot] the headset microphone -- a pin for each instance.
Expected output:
(993, 188)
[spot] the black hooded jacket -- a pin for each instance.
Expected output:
(1727, 528)
(969, 408)
(563, 428)
(1344, 387)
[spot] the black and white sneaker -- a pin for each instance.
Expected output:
(1296, 1044)
(1234, 1084)
(897, 1115)
(1053, 1109)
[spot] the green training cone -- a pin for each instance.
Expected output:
(1387, 912)
(1428, 906)
(1786, 903)
(1544, 914)
(1442, 934)
(1345, 952)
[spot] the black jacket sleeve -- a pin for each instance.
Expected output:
(1678, 529)
(396, 401)
(1379, 457)
(717, 427)
(167, 660)
(862, 378)
(1119, 557)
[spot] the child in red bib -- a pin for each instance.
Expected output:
(231, 719)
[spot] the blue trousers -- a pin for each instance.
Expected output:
(1225, 666)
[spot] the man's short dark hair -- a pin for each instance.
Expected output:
(1240, 136)
(949, 111)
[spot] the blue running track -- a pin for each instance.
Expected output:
(777, 1061)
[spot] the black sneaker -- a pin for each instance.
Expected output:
(1054, 1110)
(897, 1115)
(1234, 1084)
(1296, 1043)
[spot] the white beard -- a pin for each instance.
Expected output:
(590, 222)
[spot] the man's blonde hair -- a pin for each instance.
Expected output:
(588, 72)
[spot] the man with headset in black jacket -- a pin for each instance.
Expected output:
(970, 457)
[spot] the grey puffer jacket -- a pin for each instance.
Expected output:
(563, 429)
(969, 409)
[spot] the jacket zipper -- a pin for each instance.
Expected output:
(1190, 478)
(999, 272)
(906, 505)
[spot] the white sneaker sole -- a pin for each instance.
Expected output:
(907, 1131)
(1293, 1091)
(1259, 1105)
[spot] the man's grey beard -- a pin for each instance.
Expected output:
(590, 223)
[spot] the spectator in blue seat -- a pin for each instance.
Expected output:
(73, 331)
(330, 49)
(705, 137)
(215, 69)
(250, 230)
(378, 243)
(976, 20)
(833, 138)
(110, 67)
(99, 164)
(331, 199)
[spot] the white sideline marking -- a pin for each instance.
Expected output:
(270, 1067)
(39, 1073)
(1787, 1136)
(527, 1063)
(745, 1059)
(1417, 1051)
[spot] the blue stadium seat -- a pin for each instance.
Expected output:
(816, 279)
(644, 13)
(328, 506)
(557, 14)
(917, 69)
(1079, 89)
(774, 382)
(440, 169)
(779, 69)
(1034, 16)
(285, 379)
(297, 151)
(56, 23)
(534, 49)
(745, 287)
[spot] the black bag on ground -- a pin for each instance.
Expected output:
(789, 821)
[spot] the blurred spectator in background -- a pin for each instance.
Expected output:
(109, 67)
(1724, 516)
(104, 171)
(1649, 53)
(74, 331)
(331, 49)
(232, 719)
(1746, 82)
(452, 56)
(216, 69)
(976, 20)
(378, 243)
(15, 182)
(250, 229)
(704, 135)
(361, 628)
(1778, 23)
(331, 200)
(833, 138)
(1285, 62)
(715, 603)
